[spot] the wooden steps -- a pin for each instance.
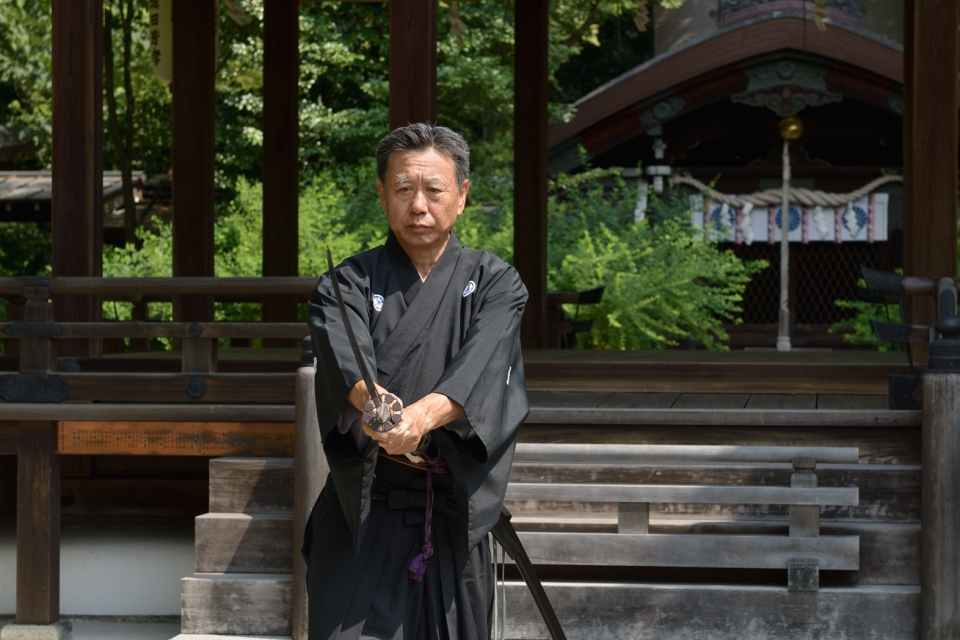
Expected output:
(244, 552)
(722, 372)
(236, 603)
(613, 611)
(244, 556)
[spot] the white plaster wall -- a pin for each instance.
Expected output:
(110, 572)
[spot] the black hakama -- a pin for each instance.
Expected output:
(455, 333)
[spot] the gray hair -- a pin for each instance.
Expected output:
(422, 136)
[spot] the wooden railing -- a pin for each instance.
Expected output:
(199, 411)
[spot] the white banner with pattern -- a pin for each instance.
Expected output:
(863, 220)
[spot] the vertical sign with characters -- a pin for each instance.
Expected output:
(161, 39)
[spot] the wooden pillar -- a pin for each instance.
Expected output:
(413, 62)
(310, 473)
(194, 58)
(77, 193)
(930, 160)
(38, 486)
(940, 507)
(281, 183)
(530, 165)
(38, 524)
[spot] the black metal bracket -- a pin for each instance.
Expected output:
(882, 282)
(196, 387)
(895, 332)
(33, 330)
(900, 395)
(32, 387)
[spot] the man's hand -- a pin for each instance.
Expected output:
(358, 396)
(430, 412)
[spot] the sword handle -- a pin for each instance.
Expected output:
(386, 415)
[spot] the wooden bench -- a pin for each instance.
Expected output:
(803, 552)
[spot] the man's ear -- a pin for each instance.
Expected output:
(383, 205)
(462, 196)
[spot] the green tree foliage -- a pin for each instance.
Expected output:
(663, 280)
(25, 64)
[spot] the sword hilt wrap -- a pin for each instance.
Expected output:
(386, 415)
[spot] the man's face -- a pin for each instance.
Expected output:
(421, 200)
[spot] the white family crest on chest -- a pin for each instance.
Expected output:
(470, 288)
(377, 302)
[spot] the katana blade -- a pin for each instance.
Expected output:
(504, 533)
(382, 413)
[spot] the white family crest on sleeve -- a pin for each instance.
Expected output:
(470, 288)
(377, 302)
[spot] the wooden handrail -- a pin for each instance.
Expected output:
(61, 285)
(141, 329)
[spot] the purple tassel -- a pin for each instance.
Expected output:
(418, 566)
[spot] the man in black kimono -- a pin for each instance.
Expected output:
(396, 546)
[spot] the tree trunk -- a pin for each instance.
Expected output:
(123, 143)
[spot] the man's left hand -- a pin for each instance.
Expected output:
(430, 412)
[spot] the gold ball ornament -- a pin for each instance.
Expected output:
(791, 128)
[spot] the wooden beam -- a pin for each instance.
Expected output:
(281, 64)
(194, 58)
(177, 387)
(606, 453)
(662, 493)
(413, 62)
(77, 190)
(688, 550)
(175, 438)
(930, 163)
(530, 165)
(38, 524)
(147, 412)
(733, 418)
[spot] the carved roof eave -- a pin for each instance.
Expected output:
(719, 53)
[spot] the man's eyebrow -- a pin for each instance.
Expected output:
(402, 178)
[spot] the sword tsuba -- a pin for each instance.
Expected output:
(386, 416)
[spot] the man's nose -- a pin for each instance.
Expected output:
(419, 204)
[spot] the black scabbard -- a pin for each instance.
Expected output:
(504, 533)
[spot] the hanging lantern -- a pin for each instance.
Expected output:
(791, 128)
(161, 39)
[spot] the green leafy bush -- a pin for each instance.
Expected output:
(663, 281)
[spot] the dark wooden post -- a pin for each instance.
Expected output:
(940, 476)
(77, 194)
(930, 170)
(281, 62)
(413, 62)
(38, 524)
(194, 59)
(38, 487)
(530, 165)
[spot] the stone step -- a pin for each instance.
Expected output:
(251, 485)
(247, 604)
(244, 543)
